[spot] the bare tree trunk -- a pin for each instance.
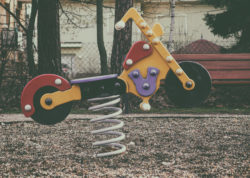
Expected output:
(121, 43)
(29, 49)
(49, 47)
(2, 65)
(100, 42)
(122, 39)
(171, 34)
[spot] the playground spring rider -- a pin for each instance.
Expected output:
(48, 98)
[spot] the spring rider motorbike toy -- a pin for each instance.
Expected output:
(48, 98)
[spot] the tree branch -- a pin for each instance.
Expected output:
(66, 14)
(14, 16)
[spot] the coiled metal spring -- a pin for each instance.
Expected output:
(108, 106)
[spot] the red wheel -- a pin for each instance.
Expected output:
(35, 89)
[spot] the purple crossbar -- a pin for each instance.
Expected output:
(93, 79)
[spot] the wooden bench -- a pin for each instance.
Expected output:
(223, 68)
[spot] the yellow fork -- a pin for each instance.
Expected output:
(152, 36)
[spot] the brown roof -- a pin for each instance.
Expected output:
(200, 47)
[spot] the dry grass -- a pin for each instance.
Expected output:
(155, 147)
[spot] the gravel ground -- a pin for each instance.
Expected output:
(156, 147)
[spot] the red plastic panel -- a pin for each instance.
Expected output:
(137, 53)
(37, 83)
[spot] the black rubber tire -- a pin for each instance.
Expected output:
(188, 98)
(49, 117)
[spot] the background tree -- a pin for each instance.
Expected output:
(29, 39)
(123, 38)
(49, 47)
(233, 22)
(121, 42)
(3, 60)
(171, 34)
(100, 42)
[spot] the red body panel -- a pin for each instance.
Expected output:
(137, 53)
(37, 83)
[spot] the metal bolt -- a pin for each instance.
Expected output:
(146, 86)
(146, 46)
(149, 33)
(179, 71)
(189, 84)
(143, 25)
(129, 62)
(145, 106)
(48, 101)
(153, 72)
(27, 107)
(169, 59)
(135, 74)
(58, 81)
(119, 25)
(117, 85)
